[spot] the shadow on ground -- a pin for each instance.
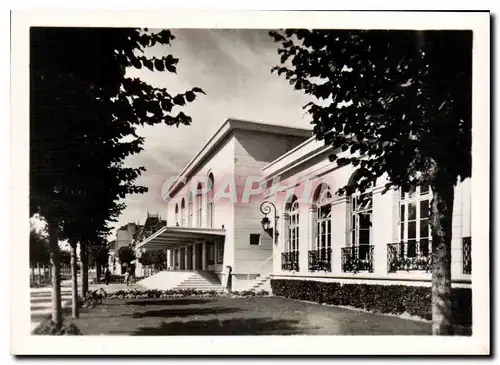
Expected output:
(235, 326)
(188, 301)
(183, 312)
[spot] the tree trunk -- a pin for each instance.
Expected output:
(74, 281)
(98, 272)
(56, 278)
(84, 268)
(441, 225)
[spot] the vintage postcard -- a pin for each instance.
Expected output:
(250, 183)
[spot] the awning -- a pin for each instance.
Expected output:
(175, 237)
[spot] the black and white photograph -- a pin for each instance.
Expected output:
(294, 179)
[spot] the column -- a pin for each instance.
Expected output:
(384, 218)
(339, 232)
(309, 244)
(193, 257)
(186, 258)
(204, 256)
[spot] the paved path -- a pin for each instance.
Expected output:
(41, 298)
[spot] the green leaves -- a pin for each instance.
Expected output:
(83, 109)
(179, 100)
(159, 65)
(398, 100)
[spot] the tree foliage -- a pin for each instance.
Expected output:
(398, 102)
(98, 254)
(394, 104)
(126, 255)
(39, 248)
(146, 258)
(159, 259)
(84, 115)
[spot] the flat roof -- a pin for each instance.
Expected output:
(174, 237)
(217, 138)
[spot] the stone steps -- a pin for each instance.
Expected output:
(201, 281)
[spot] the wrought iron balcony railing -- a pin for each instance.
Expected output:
(290, 261)
(412, 255)
(320, 259)
(357, 258)
(466, 255)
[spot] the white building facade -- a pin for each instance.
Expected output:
(370, 238)
(214, 217)
(213, 204)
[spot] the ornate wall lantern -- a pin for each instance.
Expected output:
(266, 208)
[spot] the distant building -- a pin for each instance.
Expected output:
(125, 236)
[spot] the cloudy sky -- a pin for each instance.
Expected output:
(233, 68)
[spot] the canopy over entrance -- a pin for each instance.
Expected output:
(175, 237)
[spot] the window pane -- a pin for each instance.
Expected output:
(412, 211)
(412, 230)
(364, 237)
(254, 239)
(364, 221)
(402, 231)
(411, 249)
(363, 251)
(424, 247)
(424, 209)
(329, 240)
(402, 194)
(424, 228)
(402, 216)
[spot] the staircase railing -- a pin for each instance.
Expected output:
(260, 265)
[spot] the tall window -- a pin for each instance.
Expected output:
(360, 237)
(414, 221)
(219, 252)
(319, 257)
(183, 212)
(199, 205)
(210, 200)
(290, 256)
(323, 218)
(190, 209)
(176, 214)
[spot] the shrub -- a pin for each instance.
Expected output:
(175, 293)
(48, 327)
(393, 299)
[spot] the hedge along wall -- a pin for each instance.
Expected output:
(393, 299)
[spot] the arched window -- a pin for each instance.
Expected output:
(359, 255)
(183, 212)
(414, 231)
(210, 200)
(290, 256)
(321, 253)
(177, 214)
(190, 209)
(199, 205)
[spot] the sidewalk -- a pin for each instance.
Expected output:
(41, 298)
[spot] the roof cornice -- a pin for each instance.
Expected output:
(228, 127)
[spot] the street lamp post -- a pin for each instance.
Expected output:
(266, 208)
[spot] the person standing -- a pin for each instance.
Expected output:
(127, 276)
(107, 275)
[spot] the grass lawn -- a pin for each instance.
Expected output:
(236, 316)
